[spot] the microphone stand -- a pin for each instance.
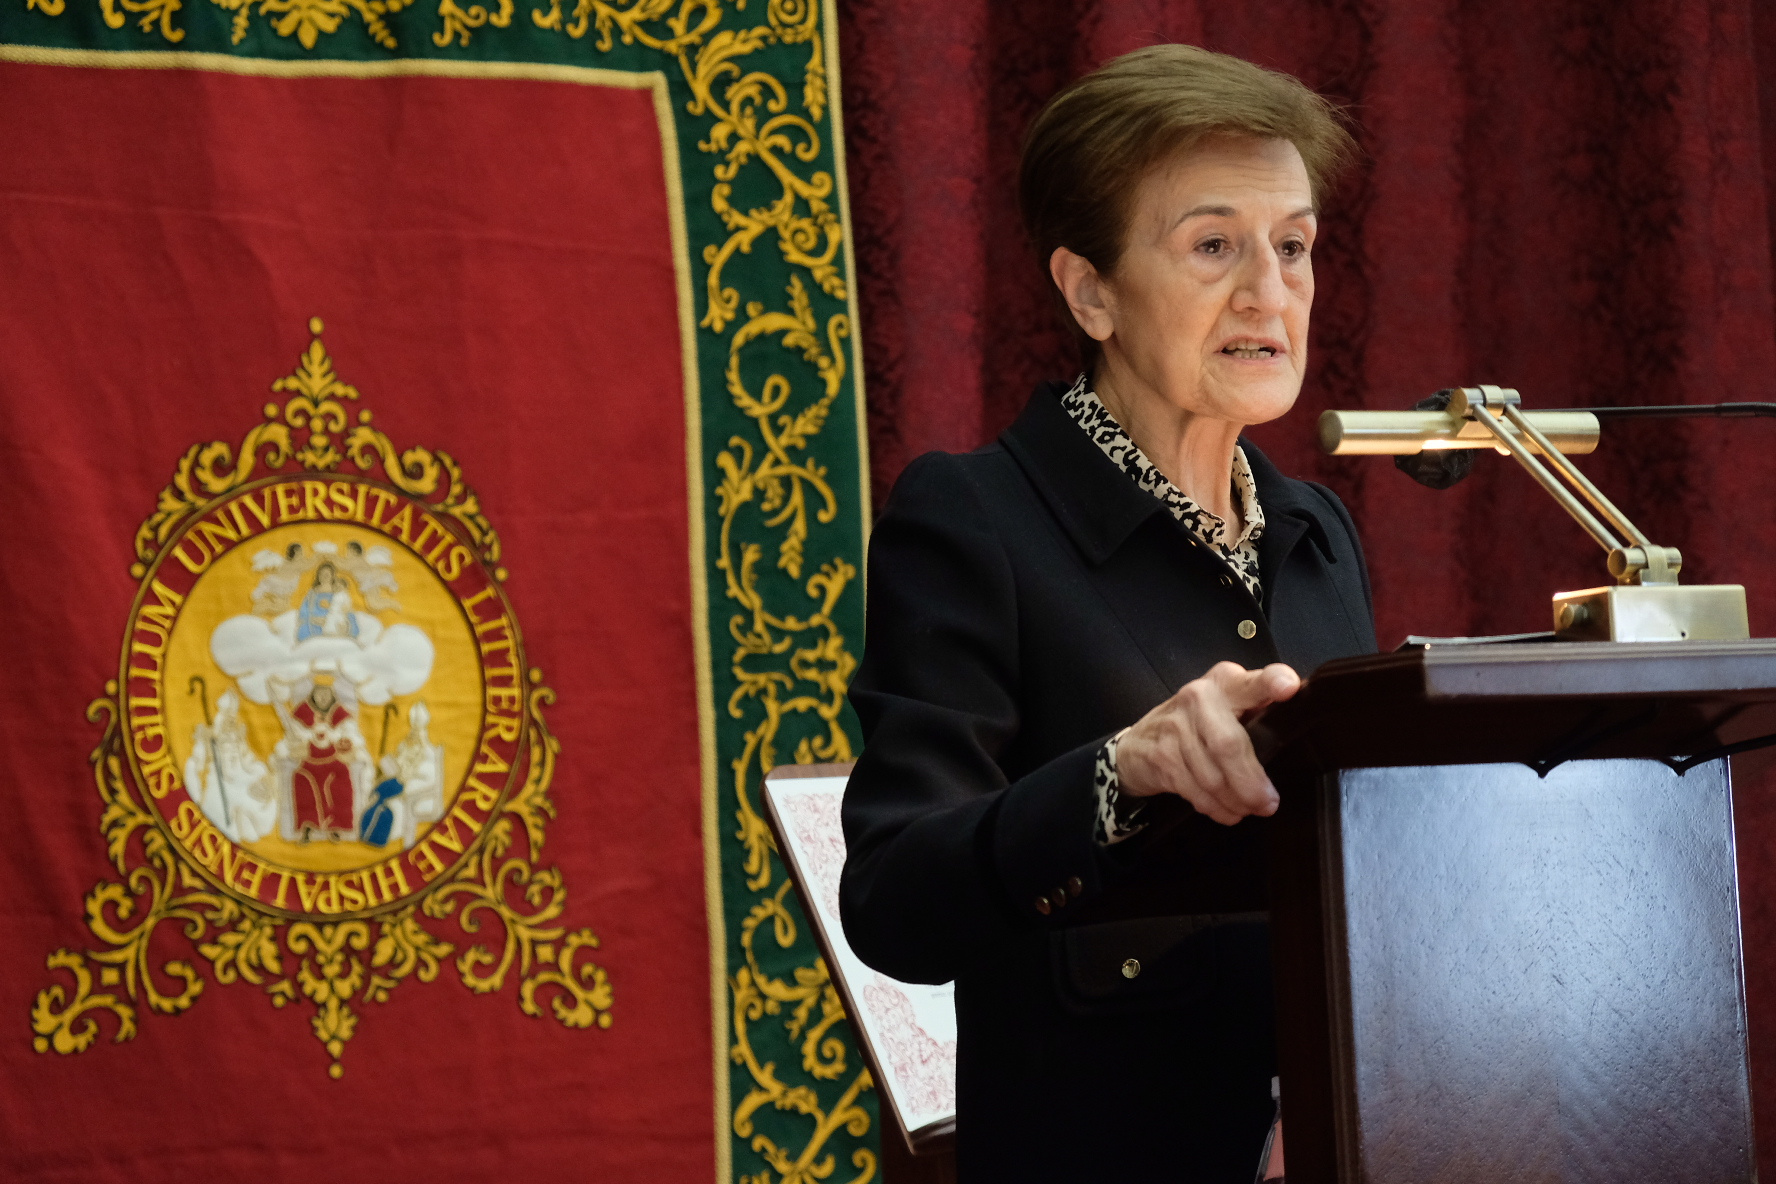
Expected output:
(1679, 411)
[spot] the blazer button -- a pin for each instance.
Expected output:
(1074, 887)
(1042, 905)
(1059, 896)
(1131, 968)
(1248, 630)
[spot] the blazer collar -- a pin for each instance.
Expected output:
(1099, 506)
(1291, 509)
(1096, 502)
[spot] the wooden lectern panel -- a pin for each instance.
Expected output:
(1556, 961)
(1486, 975)
(1547, 702)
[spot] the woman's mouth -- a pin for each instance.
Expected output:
(1249, 350)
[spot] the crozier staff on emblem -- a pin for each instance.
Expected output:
(319, 656)
(325, 733)
(370, 712)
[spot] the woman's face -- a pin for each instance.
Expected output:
(1208, 307)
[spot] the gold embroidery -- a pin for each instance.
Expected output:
(149, 14)
(458, 20)
(283, 946)
(751, 123)
(786, 663)
(756, 995)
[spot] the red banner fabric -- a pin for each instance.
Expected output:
(494, 269)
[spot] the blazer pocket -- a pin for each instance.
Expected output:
(1154, 963)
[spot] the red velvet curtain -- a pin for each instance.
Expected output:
(1572, 198)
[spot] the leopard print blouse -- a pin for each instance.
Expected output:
(1117, 817)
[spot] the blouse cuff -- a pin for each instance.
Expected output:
(1118, 816)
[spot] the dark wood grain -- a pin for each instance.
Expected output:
(1485, 974)
(934, 1165)
(1301, 955)
(1478, 704)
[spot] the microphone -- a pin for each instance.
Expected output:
(1436, 468)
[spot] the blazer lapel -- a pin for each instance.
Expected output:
(1290, 515)
(1178, 601)
(1094, 501)
(1169, 590)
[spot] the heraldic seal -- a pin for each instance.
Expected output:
(323, 732)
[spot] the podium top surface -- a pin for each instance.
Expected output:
(1538, 703)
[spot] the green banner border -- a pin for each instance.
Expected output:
(775, 438)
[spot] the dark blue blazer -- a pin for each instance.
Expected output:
(1026, 601)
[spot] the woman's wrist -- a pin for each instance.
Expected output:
(1118, 814)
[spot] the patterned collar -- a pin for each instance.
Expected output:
(1241, 553)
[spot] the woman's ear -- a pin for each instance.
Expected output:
(1087, 295)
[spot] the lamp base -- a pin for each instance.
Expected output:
(1652, 612)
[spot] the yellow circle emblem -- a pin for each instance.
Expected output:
(325, 696)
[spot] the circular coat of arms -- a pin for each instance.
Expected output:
(326, 695)
(323, 734)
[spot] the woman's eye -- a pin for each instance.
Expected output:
(1214, 246)
(1293, 249)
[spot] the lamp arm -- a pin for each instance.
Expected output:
(1643, 562)
(1646, 603)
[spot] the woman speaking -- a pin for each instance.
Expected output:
(1066, 626)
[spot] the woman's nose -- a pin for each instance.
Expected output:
(1260, 282)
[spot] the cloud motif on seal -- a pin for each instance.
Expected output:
(380, 662)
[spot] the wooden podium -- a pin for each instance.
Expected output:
(1505, 913)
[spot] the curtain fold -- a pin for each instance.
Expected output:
(1568, 198)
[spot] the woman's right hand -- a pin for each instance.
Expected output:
(1194, 744)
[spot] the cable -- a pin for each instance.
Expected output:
(1682, 411)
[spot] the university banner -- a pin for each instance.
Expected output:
(431, 440)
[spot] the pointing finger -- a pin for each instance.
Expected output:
(1249, 689)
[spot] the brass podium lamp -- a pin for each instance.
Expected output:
(1646, 603)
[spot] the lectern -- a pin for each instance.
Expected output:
(1505, 913)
